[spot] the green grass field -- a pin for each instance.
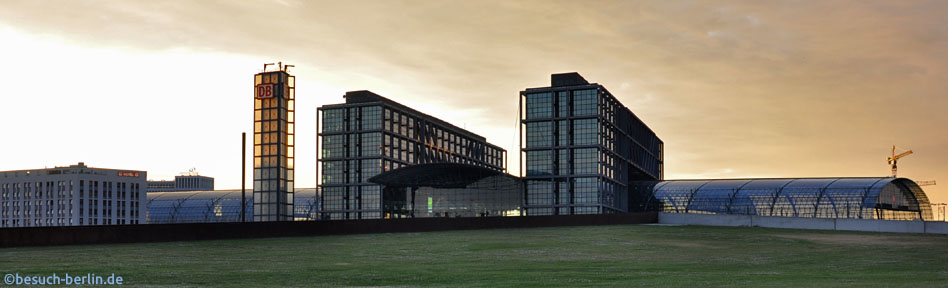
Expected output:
(625, 255)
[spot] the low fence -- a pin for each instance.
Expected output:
(45, 236)
(871, 225)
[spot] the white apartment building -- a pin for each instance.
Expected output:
(72, 196)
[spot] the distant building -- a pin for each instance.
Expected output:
(71, 196)
(369, 135)
(182, 183)
(582, 149)
(273, 149)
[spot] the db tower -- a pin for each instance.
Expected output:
(273, 130)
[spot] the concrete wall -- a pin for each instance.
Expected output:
(705, 219)
(933, 227)
(870, 225)
(72, 235)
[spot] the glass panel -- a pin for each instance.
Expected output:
(585, 132)
(539, 134)
(539, 163)
(539, 105)
(584, 102)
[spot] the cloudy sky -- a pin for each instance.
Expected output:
(734, 89)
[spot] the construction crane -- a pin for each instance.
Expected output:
(925, 183)
(893, 160)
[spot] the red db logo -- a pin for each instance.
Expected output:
(265, 91)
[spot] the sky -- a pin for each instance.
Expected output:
(735, 89)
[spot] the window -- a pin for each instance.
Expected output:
(539, 163)
(563, 161)
(539, 192)
(371, 118)
(585, 161)
(562, 137)
(562, 104)
(539, 134)
(584, 132)
(586, 190)
(333, 120)
(353, 115)
(370, 168)
(584, 102)
(333, 172)
(539, 105)
(371, 144)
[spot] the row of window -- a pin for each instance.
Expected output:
(542, 105)
(583, 132)
(273, 185)
(579, 191)
(583, 161)
(62, 222)
(352, 202)
(410, 133)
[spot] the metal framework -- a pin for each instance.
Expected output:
(273, 145)
(216, 206)
(449, 190)
(370, 134)
(580, 147)
(858, 198)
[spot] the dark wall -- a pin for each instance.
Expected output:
(46, 236)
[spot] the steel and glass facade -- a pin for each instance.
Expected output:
(857, 198)
(218, 206)
(449, 190)
(580, 147)
(370, 134)
(273, 127)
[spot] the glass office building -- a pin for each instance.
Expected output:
(273, 130)
(370, 134)
(581, 147)
(854, 198)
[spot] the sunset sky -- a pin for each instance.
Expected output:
(734, 89)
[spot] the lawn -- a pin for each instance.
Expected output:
(623, 255)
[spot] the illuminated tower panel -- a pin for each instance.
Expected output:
(273, 129)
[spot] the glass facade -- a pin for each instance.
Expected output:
(218, 206)
(449, 190)
(273, 149)
(857, 198)
(581, 147)
(369, 135)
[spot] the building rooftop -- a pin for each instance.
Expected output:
(365, 96)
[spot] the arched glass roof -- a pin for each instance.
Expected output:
(860, 198)
(217, 206)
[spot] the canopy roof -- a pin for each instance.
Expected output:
(437, 175)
